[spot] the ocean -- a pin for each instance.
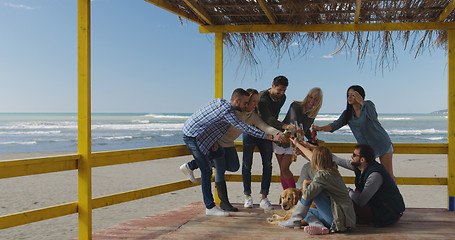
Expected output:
(51, 132)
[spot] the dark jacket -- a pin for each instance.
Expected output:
(387, 203)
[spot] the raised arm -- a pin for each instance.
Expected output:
(326, 128)
(304, 147)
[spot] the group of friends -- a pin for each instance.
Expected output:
(211, 131)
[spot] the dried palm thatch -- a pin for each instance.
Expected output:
(298, 12)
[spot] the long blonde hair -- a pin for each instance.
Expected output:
(312, 113)
(322, 160)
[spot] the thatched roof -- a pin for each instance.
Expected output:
(232, 15)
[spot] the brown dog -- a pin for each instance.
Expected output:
(288, 199)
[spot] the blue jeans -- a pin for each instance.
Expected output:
(228, 161)
(266, 150)
(202, 162)
(323, 212)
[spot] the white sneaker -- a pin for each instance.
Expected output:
(248, 202)
(187, 171)
(215, 211)
(265, 204)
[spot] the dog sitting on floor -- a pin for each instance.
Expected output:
(288, 199)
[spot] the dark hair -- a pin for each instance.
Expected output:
(280, 80)
(238, 93)
(348, 111)
(367, 152)
(251, 92)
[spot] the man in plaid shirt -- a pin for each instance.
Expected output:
(204, 128)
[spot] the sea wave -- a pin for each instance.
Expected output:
(30, 132)
(167, 116)
(114, 137)
(324, 117)
(395, 118)
(140, 127)
(40, 125)
(434, 138)
(19, 143)
(416, 132)
(140, 121)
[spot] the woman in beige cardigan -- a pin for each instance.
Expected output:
(335, 211)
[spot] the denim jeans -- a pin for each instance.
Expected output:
(228, 161)
(266, 150)
(202, 162)
(323, 212)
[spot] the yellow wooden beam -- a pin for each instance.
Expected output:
(358, 5)
(451, 119)
(267, 11)
(17, 168)
(22, 218)
(399, 148)
(137, 155)
(84, 121)
(168, 7)
(219, 65)
(350, 180)
(199, 11)
(447, 11)
(281, 28)
(142, 193)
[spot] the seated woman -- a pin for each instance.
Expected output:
(335, 211)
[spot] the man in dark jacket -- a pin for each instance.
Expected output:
(377, 199)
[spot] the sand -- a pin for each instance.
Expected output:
(32, 192)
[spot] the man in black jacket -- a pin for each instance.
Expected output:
(377, 199)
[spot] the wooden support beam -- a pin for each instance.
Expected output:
(199, 11)
(361, 27)
(84, 148)
(358, 5)
(451, 120)
(447, 11)
(168, 7)
(267, 11)
(219, 65)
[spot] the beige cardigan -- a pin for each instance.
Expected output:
(341, 204)
(250, 118)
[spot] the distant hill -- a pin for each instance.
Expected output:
(445, 111)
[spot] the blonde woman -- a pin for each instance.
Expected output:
(303, 113)
(335, 211)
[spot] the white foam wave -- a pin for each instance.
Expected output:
(30, 133)
(167, 135)
(140, 127)
(21, 143)
(140, 121)
(395, 118)
(115, 138)
(167, 116)
(41, 125)
(326, 117)
(434, 138)
(416, 132)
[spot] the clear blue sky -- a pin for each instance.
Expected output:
(145, 60)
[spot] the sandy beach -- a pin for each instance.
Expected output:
(32, 192)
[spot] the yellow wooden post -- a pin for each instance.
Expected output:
(219, 65)
(218, 78)
(451, 122)
(84, 121)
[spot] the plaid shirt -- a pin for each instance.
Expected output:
(212, 121)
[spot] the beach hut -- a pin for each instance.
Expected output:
(240, 23)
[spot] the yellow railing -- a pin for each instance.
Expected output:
(17, 168)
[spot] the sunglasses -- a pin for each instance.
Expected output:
(355, 155)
